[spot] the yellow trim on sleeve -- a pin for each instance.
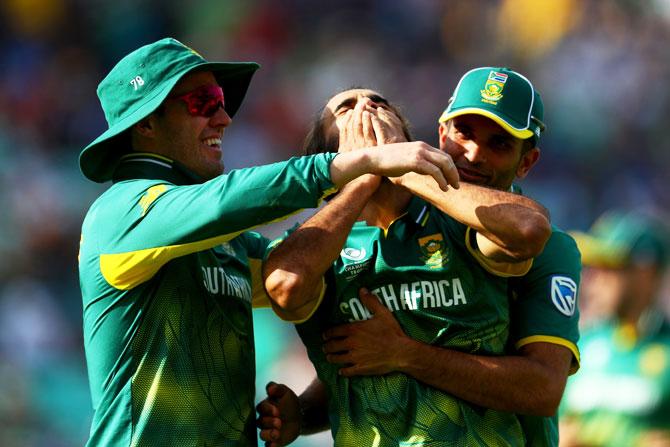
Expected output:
(315, 305)
(259, 297)
(555, 341)
(124, 271)
(504, 269)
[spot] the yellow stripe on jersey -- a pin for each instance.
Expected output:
(123, 271)
(498, 268)
(259, 297)
(555, 341)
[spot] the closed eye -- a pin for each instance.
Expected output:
(345, 105)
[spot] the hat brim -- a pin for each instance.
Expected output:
(99, 159)
(514, 131)
(597, 252)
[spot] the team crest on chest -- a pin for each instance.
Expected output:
(433, 250)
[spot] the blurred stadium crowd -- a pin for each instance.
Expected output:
(602, 68)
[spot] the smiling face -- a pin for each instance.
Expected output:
(484, 153)
(194, 141)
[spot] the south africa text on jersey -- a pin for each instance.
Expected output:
(217, 282)
(410, 296)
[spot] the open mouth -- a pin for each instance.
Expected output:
(213, 142)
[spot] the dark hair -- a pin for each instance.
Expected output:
(317, 142)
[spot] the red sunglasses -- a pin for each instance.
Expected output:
(203, 101)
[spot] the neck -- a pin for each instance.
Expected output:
(387, 204)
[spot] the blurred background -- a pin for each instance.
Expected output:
(602, 68)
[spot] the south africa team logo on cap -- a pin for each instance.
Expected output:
(564, 294)
(434, 250)
(495, 84)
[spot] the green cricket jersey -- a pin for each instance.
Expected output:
(543, 308)
(442, 292)
(623, 387)
(168, 275)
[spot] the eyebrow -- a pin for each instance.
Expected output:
(350, 101)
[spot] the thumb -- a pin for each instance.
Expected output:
(275, 390)
(371, 301)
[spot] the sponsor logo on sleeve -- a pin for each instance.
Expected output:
(564, 294)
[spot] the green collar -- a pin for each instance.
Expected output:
(418, 211)
(145, 165)
(415, 217)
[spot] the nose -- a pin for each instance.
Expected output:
(220, 118)
(367, 102)
(473, 152)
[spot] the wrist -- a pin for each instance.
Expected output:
(406, 349)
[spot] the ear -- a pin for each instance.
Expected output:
(443, 131)
(145, 127)
(528, 160)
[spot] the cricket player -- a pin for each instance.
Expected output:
(621, 396)
(438, 263)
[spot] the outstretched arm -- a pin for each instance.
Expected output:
(510, 227)
(529, 383)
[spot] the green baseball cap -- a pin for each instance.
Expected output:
(502, 95)
(618, 239)
(139, 83)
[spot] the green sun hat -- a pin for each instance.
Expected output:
(139, 83)
(618, 240)
(502, 95)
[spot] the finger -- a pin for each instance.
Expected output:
(267, 408)
(336, 346)
(276, 390)
(432, 169)
(338, 358)
(344, 128)
(390, 117)
(340, 331)
(449, 170)
(355, 124)
(379, 130)
(371, 301)
(368, 132)
(393, 126)
(268, 423)
(269, 435)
